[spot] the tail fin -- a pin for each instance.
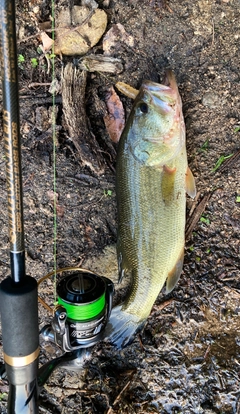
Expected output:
(121, 327)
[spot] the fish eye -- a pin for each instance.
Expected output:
(143, 107)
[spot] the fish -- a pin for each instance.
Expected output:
(152, 179)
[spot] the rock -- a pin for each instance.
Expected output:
(88, 30)
(211, 99)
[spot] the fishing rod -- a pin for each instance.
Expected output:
(18, 292)
(84, 298)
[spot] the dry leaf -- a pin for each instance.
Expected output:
(115, 119)
(115, 37)
(90, 26)
(59, 208)
(91, 4)
(47, 42)
(60, 211)
(52, 195)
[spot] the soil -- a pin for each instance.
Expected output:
(187, 359)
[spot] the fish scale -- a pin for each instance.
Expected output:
(152, 180)
(142, 227)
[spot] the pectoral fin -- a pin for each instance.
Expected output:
(190, 183)
(168, 180)
(174, 275)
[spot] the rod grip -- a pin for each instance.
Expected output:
(19, 316)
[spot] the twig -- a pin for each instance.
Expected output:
(140, 342)
(83, 177)
(121, 392)
(34, 84)
(213, 32)
(232, 290)
(197, 214)
(169, 8)
(38, 34)
(124, 389)
(165, 304)
(207, 351)
(45, 305)
(194, 204)
(230, 161)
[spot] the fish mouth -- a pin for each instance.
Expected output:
(163, 92)
(170, 80)
(163, 96)
(169, 83)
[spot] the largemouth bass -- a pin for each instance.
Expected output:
(152, 180)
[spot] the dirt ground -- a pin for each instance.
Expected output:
(187, 360)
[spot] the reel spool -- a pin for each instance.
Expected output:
(84, 307)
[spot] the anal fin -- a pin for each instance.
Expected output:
(190, 183)
(174, 274)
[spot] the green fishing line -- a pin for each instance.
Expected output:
(83, 312)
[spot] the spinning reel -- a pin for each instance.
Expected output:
(84, 306)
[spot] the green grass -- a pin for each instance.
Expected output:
(21, 61)
(108, 193)
(3, 396)
(34, 62)
(220, 161)
(204, 220)
(205, 145)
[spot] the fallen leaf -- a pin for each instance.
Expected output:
(89, 28)
(52, 195)
(115, 37)
(60, 211)
(88, 232)
(43, 26)
(91, 4)
(47, 42)
(59, 208)
(115, 119)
